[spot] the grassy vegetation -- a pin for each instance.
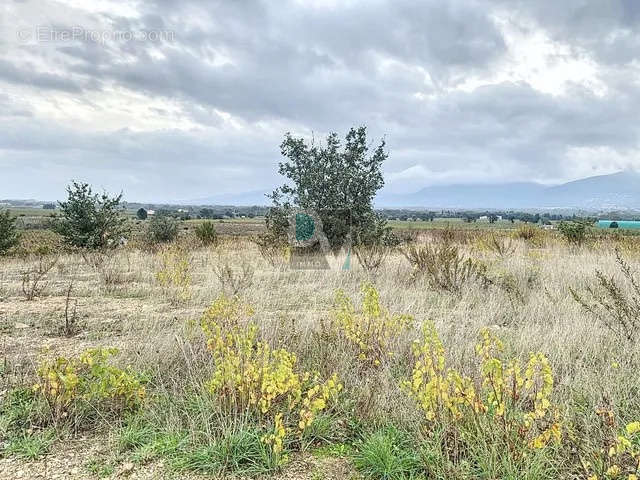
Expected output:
(457, 223)
(228, 363)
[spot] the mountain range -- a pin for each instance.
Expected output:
(603, 192)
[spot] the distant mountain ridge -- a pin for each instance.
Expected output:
(603, 192)
(611, 192)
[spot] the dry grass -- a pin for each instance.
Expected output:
(119, 303)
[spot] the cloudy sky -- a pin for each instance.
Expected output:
(176, 100)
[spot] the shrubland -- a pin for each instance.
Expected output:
(455, 354)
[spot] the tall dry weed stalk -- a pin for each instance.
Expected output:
(443, 264)
(371, 257)
(616, 307)
(34, 278)
(234, 279)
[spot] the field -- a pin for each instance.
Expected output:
(171, 406)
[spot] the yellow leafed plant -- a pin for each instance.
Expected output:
(174, 274)
(506, 397)
(372, 330)
(90, 378)
(619, 456)
(252, 377)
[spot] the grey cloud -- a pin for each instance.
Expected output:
(28, 75)
(155, 166)
(288, 62)
(290, 66)
(608, 30)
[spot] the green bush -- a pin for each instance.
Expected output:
(91, 220)
(574, 232)
(162, 229)
(9, 236)
(206, 233)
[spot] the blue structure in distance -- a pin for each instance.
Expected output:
(630, 224)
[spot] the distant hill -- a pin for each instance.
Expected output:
(611, 192)
(506, 195)
(618, 191)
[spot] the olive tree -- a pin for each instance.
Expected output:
(91, 220)
(338, 180)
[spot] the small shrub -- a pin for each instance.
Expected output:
(87, 385)
(252, 377)
(528, 233)
(34, 279)
(105, 263)
(616, 310)
(502, 246)
(234, 280)
(444, 266)
(506, 402)
(96, 258)
(227, 313)
(372, 331)
(371, 257)
(619, 454)
(9, 235)
(174, 275)
(70, 326)
(206, 233)
(90, 220)
(574, 232)
(272, 248)
(112, 275)
(162, 228)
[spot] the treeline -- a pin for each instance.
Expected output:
(475, 215)
(199, 212)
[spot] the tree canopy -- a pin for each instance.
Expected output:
(337, 180)
(91, 220)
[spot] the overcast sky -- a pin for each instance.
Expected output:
(176, 100)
